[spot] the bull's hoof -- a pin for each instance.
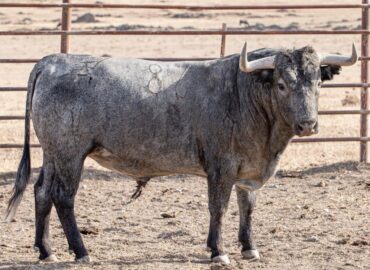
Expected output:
(223, 259)
(252, 255)
(84, 259)
(51, 259)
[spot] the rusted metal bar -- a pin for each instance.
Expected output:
(363, 112)
(223, 41)
(18, 61)
(344, 85)
(337, 139)
(183, 32)
(364, 79)
(66, 26)
(186, 7)
(12, 89)
(11, 117)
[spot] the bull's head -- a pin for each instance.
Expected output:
(296, 79)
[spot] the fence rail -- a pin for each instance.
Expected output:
(182, 32)
(186, 7)
(66, 33)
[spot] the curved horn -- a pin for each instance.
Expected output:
(339, 60)
(262, 63)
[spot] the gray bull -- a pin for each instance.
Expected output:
(227, 119)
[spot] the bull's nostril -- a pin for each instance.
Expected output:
(300, 127)
(306, 128)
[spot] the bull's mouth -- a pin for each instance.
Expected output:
(303, 130)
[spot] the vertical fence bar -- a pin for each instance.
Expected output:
(364, 79)
(223, 41)
(66, 26)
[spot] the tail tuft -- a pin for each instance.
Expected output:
(22, 179)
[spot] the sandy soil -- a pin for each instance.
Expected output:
(312, 219)
(291, 210)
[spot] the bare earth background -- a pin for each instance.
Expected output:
(313, 215)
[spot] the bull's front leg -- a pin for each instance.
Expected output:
(246, 202)
(219, 190)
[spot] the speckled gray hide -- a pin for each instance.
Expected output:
(147, 119)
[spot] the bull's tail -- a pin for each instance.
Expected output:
(24, 168)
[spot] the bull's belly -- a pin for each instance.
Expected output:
(251, 176)
(138, 168)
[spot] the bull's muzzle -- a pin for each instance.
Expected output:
(306, 128)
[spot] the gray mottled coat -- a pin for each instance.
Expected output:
(147, 119)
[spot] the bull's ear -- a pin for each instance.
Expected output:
(328, 72)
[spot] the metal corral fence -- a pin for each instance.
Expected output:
(65, 33)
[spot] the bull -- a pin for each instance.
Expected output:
(228, 120)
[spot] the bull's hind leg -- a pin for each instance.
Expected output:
(43, 203)
(67, 178)
(246, 202)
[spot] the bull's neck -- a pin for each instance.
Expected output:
(261, 121)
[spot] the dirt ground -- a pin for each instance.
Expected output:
(313, 215)
(317, 218)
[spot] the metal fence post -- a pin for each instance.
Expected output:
(223, 41)
(66, 25)
(364, 79)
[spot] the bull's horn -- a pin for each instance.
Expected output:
(262, 63)
(339, 60)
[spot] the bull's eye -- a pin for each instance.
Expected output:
(281, 85)
(319, 83)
